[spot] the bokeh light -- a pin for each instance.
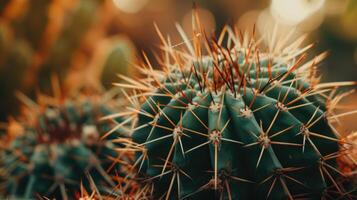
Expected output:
(130, 6)
(293, 12)
(206, 19)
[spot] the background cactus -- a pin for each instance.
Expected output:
(230, 119)
(120, 53)
(59, 143)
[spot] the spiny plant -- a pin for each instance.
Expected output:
(119, 54)
(59, 142)
(230, 118)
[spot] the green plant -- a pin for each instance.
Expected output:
(58, 144)
(231, 119)
(120, 51)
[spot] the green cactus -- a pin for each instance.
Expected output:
(61, 146)
(237, 123)
(120, 53)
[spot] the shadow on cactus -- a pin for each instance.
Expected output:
(227, 118)
(59, 142)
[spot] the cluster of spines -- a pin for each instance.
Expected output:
(127, 185)
(181, 67)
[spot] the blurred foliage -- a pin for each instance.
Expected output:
(66, 37)
(45, 37)
(339, 35)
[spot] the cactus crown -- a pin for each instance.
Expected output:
(228, 117)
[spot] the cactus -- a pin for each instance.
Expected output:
(120, 53)
(60, 144)
(230, 119)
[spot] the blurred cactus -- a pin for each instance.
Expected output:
(46, 36)
(119, 54)
(59, 143)
(241, 122)
(339, 34)
(14, 61)
(112, 56)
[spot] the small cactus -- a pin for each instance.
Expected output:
(230, 119)
(120, 52)
(59, 143)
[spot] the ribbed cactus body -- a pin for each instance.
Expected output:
(235, 128)
(61, 149)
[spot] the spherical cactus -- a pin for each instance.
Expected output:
(230, 119)
(59, 144)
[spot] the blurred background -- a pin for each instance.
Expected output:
(87, 42)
